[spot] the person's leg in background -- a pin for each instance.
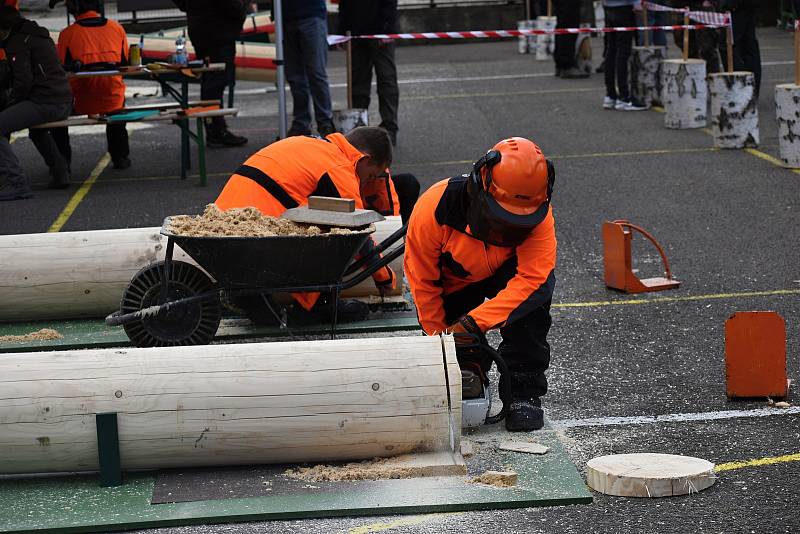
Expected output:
(296, 77)
(624, 42)
(118, 147)
(43, 141)
(746, 53)
(568, 14)
(61, 137)
(213, 84)
(13, 184)
(388, 91)
(610, 62)
(361, 64)
(407, 187)
(315, 59)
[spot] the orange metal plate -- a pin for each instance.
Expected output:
(755, 355)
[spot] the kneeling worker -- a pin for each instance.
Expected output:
(284, 174)
(491, 235)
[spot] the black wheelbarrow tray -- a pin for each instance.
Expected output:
(171, 303)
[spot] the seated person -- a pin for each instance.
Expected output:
(38, 93)
(95, 42)
(284, 174)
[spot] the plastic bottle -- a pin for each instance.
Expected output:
(181, 58)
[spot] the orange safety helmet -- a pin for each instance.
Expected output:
(509, 189)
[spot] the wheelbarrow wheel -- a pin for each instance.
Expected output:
(192, 324)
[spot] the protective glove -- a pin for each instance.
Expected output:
(466, 331)
(386, 286)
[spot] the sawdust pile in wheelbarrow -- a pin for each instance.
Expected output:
(242, 222)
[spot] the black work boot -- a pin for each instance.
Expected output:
(525, 415)
(224, 138)
(10, 192)
(326, 128)
(59, 176)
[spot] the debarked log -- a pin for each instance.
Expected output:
(685, 93)
(734, 109)
(248, 404)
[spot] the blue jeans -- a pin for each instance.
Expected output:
(306, 56)
(657, 37)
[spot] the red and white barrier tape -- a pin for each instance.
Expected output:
(703, 17)
(493, 34)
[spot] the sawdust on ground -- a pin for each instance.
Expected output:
(500, 479)
(375, 469)
(45, 334)
(242, 222)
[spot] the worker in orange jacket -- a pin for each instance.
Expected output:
(94, 42)
(491, 235)
(284, 174)
(4, 66)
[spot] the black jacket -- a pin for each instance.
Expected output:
(214, 20)
(36, 72)
(366, 17)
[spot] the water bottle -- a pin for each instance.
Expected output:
(181, 58)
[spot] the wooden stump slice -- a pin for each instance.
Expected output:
(787, 109)
(734, 109)
(649, 475)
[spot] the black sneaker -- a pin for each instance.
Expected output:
(297, 131)
(8, 192)
(525, 415)
(122, 163)
(325, 129)
(59, 178)
(224, 138)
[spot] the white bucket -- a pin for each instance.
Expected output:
(348, 119)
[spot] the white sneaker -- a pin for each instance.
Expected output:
(609, 103)
(631, 105)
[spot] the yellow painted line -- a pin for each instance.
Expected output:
(689, 298)
(76, 199)
(406, 522)
(771, 159)
(509, 93)
(653, 152)
(758, 463)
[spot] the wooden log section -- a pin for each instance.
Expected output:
(71, 275)
(734, 109)
(685, 93)
(649, 475)
(787, 110)
(255, 403)
(646, 73)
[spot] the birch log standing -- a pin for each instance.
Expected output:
(526, 43)
(231, 404)
(734, 109)
(685, 93)
(70, 275)
(645, 73)
(787, 109)
(545, 44)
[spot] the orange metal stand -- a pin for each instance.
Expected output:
(755, 355)
(617, 261)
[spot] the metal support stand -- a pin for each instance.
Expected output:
(280, 81)
(108, 449)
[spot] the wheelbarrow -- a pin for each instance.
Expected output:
(172, 303)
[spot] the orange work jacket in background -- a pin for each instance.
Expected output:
(440, 258)
(94, 39)
(15, 5)
(284, 174)
(380, 195)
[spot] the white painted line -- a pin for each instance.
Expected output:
(773, 63)
(673, 417)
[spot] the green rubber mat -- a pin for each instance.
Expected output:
(78, 504)
(93, 333)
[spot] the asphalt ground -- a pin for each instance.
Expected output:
(728, 221)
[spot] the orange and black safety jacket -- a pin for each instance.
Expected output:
(284, 174)
(441, 258)
(94, 41)
(380, 195)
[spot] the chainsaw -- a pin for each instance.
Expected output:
(476, 389)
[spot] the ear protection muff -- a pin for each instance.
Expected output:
(475, 183)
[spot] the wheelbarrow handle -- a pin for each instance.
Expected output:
(373, 267)
(376, 250)
(119, 319)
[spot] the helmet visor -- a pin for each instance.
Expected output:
(489, 222)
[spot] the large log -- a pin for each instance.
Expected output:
(685, 93)
(645, 73)
(231, 404)
(72, 275)
(734, 109)
(787, 110)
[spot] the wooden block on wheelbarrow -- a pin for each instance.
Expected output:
(345, 205)
(353, 219)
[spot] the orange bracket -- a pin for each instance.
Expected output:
(617, 261)
(755, 355)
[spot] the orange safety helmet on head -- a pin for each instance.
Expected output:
(509, 189)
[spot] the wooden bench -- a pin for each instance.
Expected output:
(167, 112)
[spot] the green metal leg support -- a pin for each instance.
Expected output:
(186, 154)
(108, 450)
(201, 151)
